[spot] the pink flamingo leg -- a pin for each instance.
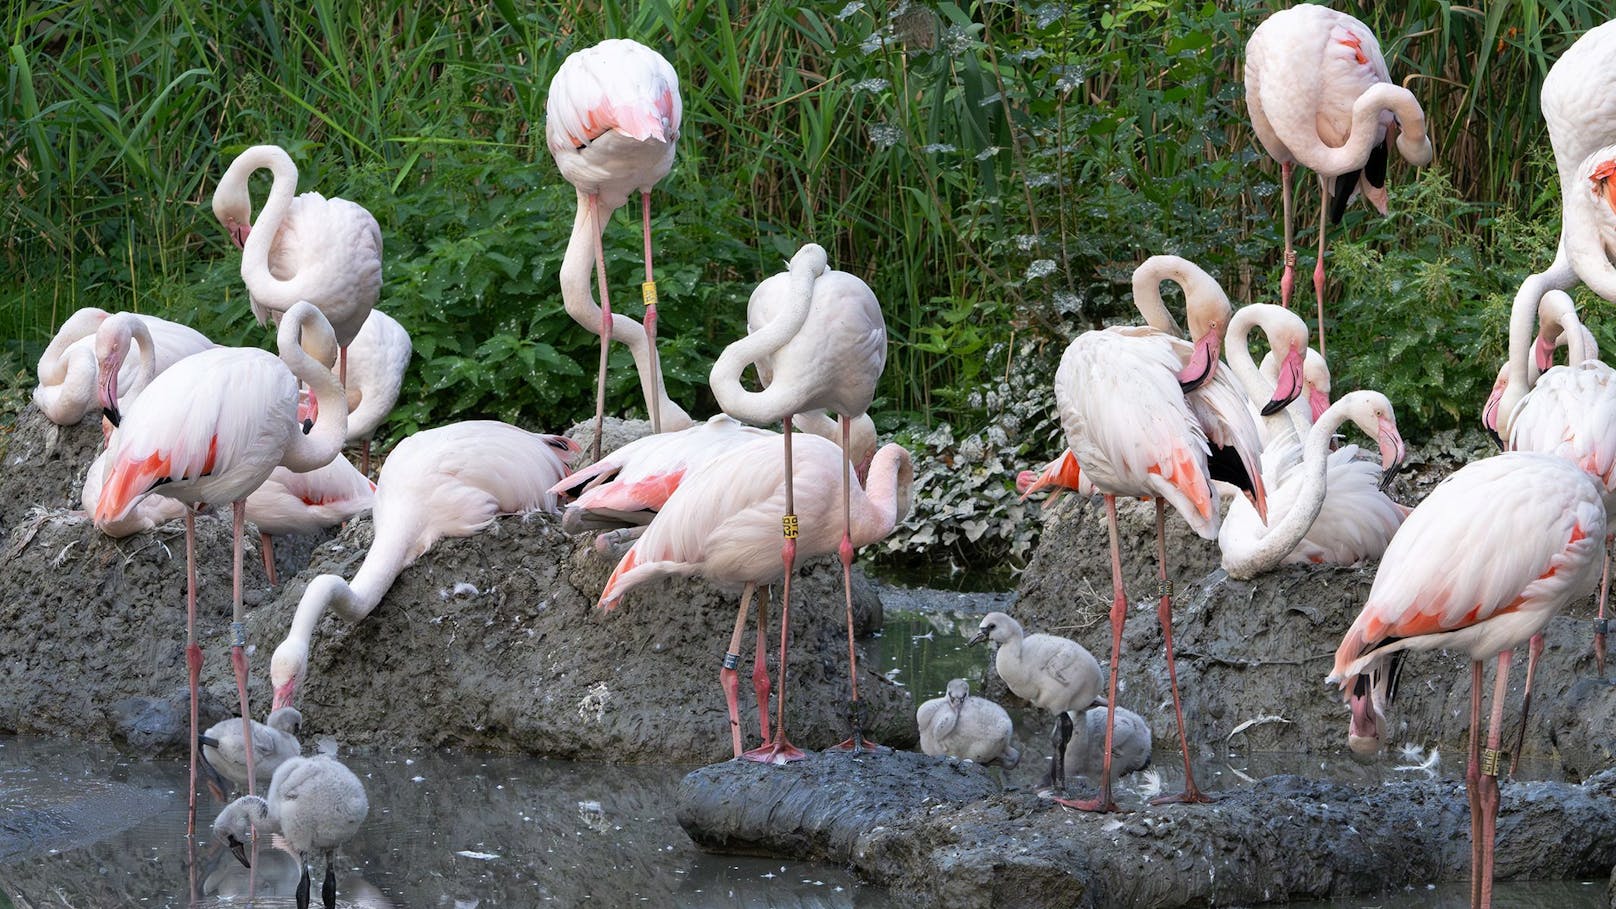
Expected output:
(1491, 759)
(855, 707)
(364, 462)
(780, 750)
(238, 628)
(1119, 612)
(1473, 782)
(342, 367)
(1318, 264)
(649, 291)
(760, 665)
(193, 657)
(728, 675)
(266, 547)
(1287, 281)
(1534, 650)
(605, 327)
(1599, 628)
(1164, 613)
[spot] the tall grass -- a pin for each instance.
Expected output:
(993, 170)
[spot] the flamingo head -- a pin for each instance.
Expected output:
(232, 205)
(997, 627)
(1494, 405)
(1364, 728)
(1203, 362)
(1316, 383)
(1372, 413)
(287, 669)
(862, 445)
(958, 691)
(111, 348)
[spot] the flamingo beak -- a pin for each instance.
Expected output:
(238, 234)
(283, 694)
(1543, 353)
(1317, 402)
(1489, 414)
(1203, 362)
(1392, 451)
(1288, 384)
(239, 850)
(977, 639)
(107, 389)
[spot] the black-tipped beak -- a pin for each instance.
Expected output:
(1497, 439)
(111, 413)
(979, 638)
(308, 426)
(239, 850)
(1273, 407)
(1386, 476)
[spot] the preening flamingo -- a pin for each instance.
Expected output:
(1320, 95)
(1050, 672)
(70, 368)
(611, 121)
(451, 481)
(302, 247)
(209, 430)
(1315, 381)
(1482, 564)
(1135, 432)
(819, 342)
(290, 502)
(377, 359)
(723, 524)
(961, 725)
(315, 803)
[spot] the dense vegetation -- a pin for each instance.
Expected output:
(994, 171)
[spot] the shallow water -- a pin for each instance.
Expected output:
(82, 826)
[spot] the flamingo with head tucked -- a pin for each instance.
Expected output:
(92, 342)
(377, 360)
(818, 342)
(1493, 553)
(302, 247)
(611, 120)
(209, 430)
(1320, 95)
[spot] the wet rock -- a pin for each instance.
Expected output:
(914, 826)
(157, 725)
(494, 641)
(818, 808)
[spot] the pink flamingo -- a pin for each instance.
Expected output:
(452, 481)
(302, 247)
(210, 429)
(1136, 432)
(611, 121)
(377, 360)
(819, 342)
(1319, 93)
(290, 502)
(722, 523)
(92, 340)
(1456, 576)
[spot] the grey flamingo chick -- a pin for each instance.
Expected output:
(315, 803)
(1050, 672)
(966, 727)
(1130, 745)
(274, 742)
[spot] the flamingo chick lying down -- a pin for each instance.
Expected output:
(963, 726)
(452, 481)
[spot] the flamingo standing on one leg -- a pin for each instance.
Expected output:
(210, 429)
(451, 481)
(1491, 555)
(1319, 93)
(722, 523)
(611, 121)
(302, 247)
(819, 342)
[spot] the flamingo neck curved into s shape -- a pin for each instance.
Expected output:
(779, 399)
(323, 442)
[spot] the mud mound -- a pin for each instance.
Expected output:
(44, 464)
(917, 829)
(494, 641)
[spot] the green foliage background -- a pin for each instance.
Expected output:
(993, 170)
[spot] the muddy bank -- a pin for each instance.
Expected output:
(909, 823)
(490, 641)
(1260, 650)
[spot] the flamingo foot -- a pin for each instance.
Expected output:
(1093, 805)
(778, 752)
(856, 742)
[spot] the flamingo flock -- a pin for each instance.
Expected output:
(1146, 411)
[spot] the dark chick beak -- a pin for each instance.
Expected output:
(979, 638)
(239, 850)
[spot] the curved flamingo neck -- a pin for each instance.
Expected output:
(58, 358)
(120, 331)
(888, 492)
(577, 264)
(324, 442)
(779, 399)
(1283, 425)
(255, 272)
(1245, 557)
(1412, 142)
(1522, 330)
(1582, 238)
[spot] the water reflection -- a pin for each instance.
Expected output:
(445, 829)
